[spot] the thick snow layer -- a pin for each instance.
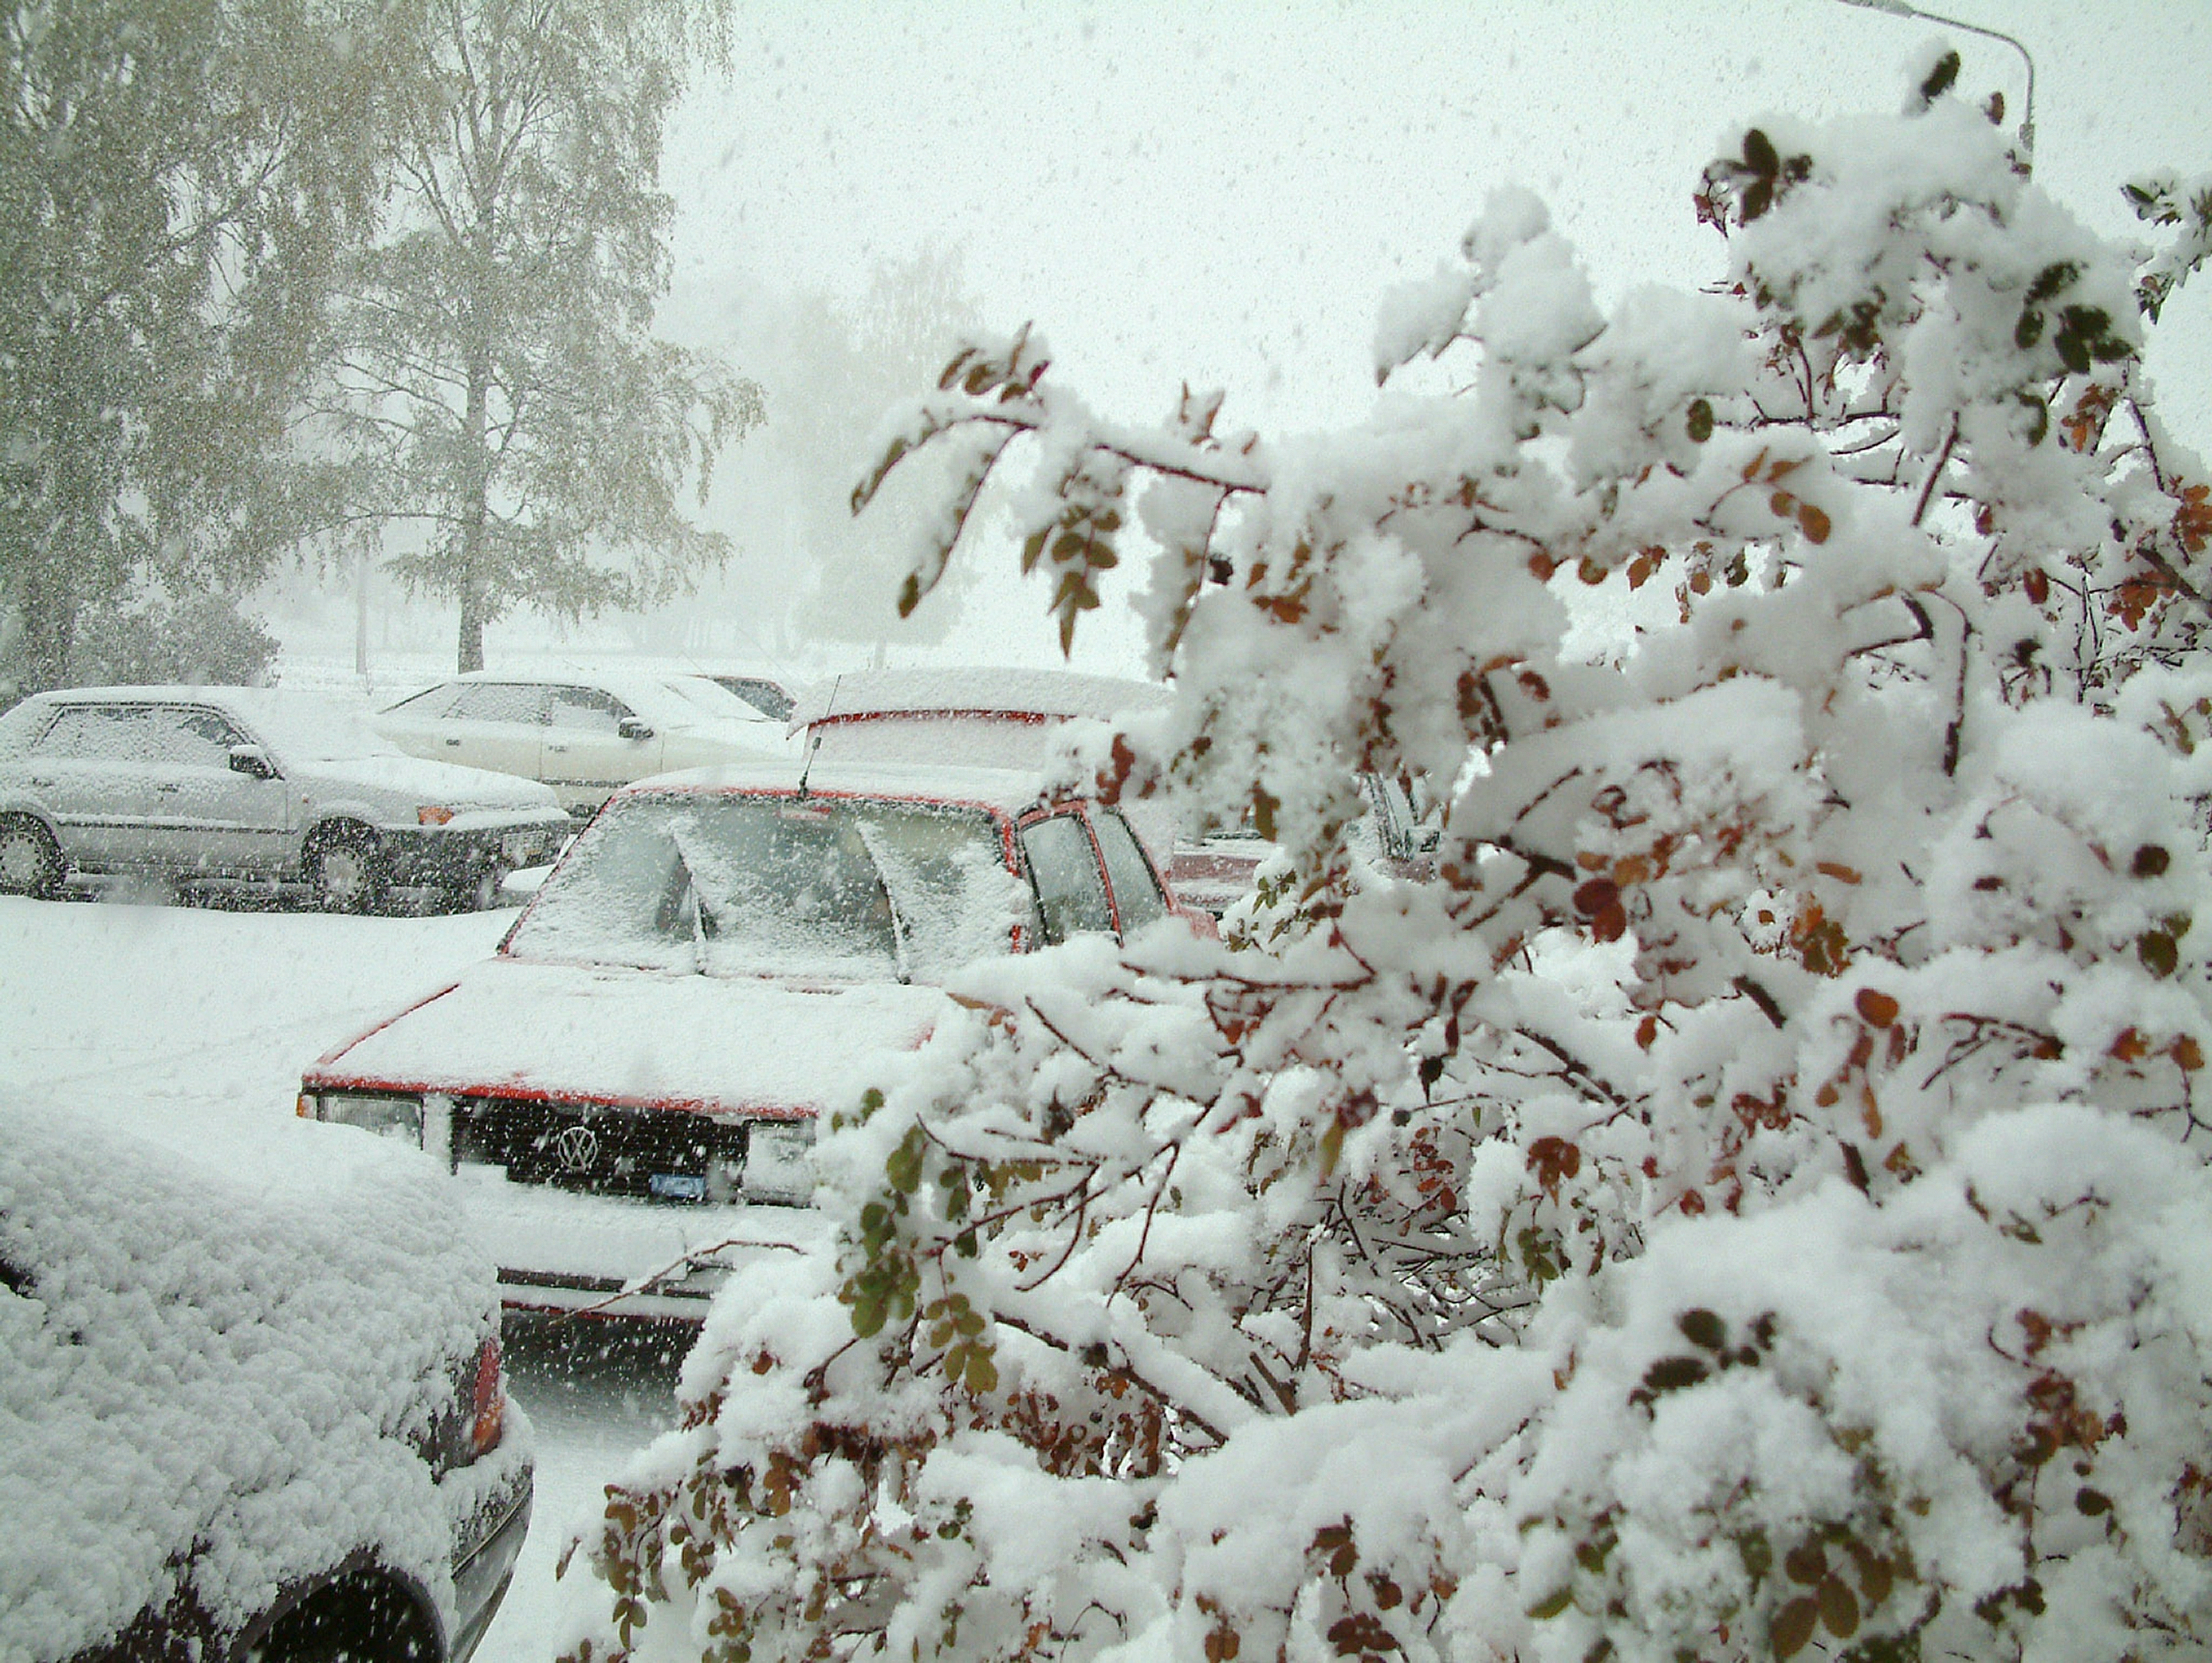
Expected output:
(646, 1037)
(228, 1345)
(202, 1021)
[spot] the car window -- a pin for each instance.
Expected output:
(584, 710)
(1064, 869)
(433, 701)
(104, 733)
(184, 735)
(725, 883)
(499, 701)
(1136, 890)
(761, 694)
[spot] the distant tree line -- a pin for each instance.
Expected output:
(302, 275)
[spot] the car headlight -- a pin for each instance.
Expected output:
(386, 1116)
(780, 1161)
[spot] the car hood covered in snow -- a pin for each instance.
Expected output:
(217, 1365)
(416, 779)
(641, 1038)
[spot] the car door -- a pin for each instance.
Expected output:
(594, 742)
(416, 724)
(495, 725)
(1134, 888)
(1063, 863)
(88, 768)
(207, 816)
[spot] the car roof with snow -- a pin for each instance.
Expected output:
(671, 696)
(301, 725)
(973, 690)
(1009, 790)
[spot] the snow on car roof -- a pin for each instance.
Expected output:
(668, 694)
(218, 1350)
(300, 725)
(1010, 790)
(973, 690)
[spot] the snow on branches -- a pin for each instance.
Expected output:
(1752, 1200)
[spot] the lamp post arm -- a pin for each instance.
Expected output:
(1898, 9)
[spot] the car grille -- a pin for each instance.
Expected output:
(651, 1154)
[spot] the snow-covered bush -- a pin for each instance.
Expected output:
(1753, 1202)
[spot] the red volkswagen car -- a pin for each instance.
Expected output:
(630, 1087)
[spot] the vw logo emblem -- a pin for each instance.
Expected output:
(578, 1148)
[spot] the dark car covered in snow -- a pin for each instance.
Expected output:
(251, 1400)
(629, 1089)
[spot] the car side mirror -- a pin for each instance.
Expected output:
(253, 760)
(631, 728)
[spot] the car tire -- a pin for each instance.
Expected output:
(346, 870)
(30, 860)
(478, 893)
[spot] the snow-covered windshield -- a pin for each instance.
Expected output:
(713, 698)
(730, 884)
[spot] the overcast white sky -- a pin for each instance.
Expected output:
(1219, 194)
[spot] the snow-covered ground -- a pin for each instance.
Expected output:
(192, 1017)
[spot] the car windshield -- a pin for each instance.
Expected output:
(713, 698)
(736, 884)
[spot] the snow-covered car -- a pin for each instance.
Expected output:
(193, 783)
(1007, 717)
(583, 735)
(251, 1400)
(631, 1086)
(1218, 869)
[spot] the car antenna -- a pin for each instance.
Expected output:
(815, 743)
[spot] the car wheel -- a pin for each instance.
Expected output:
(346, 871)
(30, 863)
(479, 894)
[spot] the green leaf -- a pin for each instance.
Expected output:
(1553, 1603)
(2160, 953)
(1699, 421)
(982, 1373)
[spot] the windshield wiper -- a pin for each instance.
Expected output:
(891, 901)
(700, 913)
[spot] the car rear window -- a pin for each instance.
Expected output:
(743, 884)
(97, 733)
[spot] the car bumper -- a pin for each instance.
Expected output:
(455, 853)
(489, 1544)
(578, 1255)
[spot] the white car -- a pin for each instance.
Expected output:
(193, 783)
(631, 1088)
(583, 735)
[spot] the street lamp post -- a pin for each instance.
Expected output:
(1898, 9)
